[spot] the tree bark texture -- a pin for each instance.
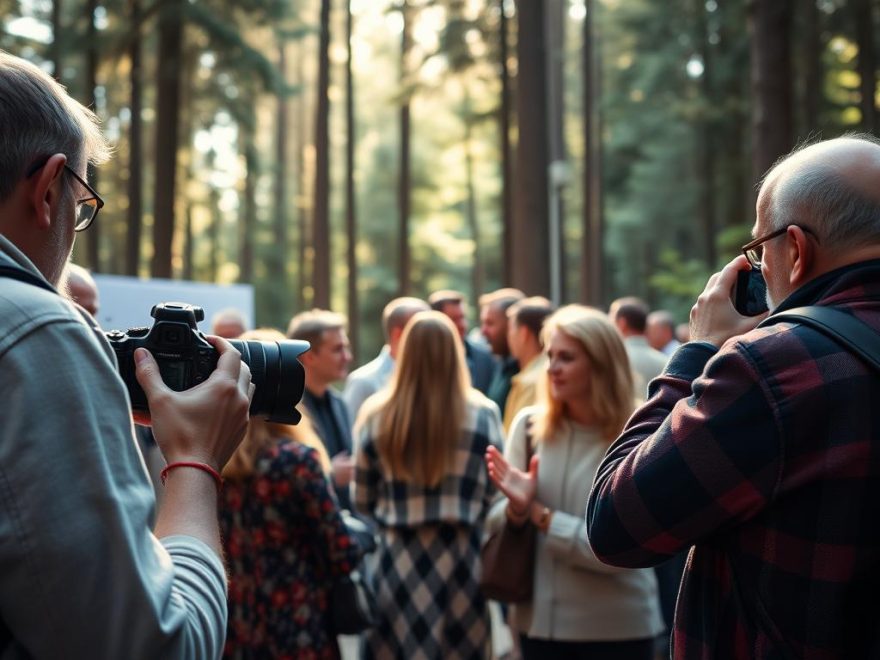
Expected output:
(403, 184)
(506, 158)
(867, 63)
(321, 218)
(57, 37)
(350, 198)
(248, 227)
(531, 241)
(772, 124)
(592, 231)
(135, 151)
(167, 120)
(706, 140)
(811, 59)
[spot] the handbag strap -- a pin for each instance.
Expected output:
(530, 442)
(845, 329)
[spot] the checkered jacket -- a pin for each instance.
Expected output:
(765, 457)
(462, 497)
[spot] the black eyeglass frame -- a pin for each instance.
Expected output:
(749, 247)
(95, 197)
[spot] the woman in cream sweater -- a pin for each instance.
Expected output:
(581, 608)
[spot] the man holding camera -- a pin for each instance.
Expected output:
(760, 447)
(83, 574)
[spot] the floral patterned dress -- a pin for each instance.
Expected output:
(284, 542)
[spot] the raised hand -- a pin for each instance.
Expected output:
(519, 487)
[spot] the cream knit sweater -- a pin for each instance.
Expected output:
(576, 597)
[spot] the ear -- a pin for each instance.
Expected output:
(394, 336)
(801, 253)
(47, 189)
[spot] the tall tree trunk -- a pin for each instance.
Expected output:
(404, 184)
(772, 130)
(168, 114)
(531, 246)
(248, 225)
(302, 205)
(94, 234)
(350, 200)
(705, 140)
(216, 230)
(188, 243)
(278, 276)
(135, 150)
(556, 15)
(185, 124)
(592, 267)
(506, 159)
(477, 270)
(321, 281)
(867, 63)
(811, 57)
(57, 32)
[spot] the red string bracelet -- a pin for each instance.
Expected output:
(204, 467)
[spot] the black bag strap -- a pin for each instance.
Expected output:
(20, 274)
(845, 329)
(530, 442)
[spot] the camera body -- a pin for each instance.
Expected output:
(186, 358)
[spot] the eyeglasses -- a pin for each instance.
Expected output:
(86, 207)
(754, 250)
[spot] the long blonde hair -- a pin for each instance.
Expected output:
(611, 398)
(422, 412)
(261, 435)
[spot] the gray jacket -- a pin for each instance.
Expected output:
(81, 574)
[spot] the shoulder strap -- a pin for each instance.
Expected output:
(15, 273)
(847, 330)
(530, 442)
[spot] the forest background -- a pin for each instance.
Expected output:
(337, 153)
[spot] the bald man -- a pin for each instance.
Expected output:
(81, 288)
(760, 447)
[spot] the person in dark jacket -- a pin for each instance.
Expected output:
(326, 362)
(760, 447)
(480, 363)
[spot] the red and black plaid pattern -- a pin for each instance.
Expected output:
(765, 457)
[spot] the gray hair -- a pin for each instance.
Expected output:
(38, 119)
(817, 196)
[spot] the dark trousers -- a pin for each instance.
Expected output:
(541, 649)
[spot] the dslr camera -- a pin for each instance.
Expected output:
(185, 359)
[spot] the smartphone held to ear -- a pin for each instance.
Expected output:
(750, 293)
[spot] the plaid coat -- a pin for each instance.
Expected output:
(427, 565)
(765, 457)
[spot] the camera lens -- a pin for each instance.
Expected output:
(277, 375)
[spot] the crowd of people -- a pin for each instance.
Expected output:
(749, 446)
(434, 463)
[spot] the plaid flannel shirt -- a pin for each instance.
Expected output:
(765, 457)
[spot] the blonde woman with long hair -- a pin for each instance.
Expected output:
(580, 607)
(419, 473)
(284, 540)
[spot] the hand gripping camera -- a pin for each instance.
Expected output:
(185, 359)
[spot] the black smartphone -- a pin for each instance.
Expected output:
(750, 293)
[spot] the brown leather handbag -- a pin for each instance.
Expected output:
(508, 555)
